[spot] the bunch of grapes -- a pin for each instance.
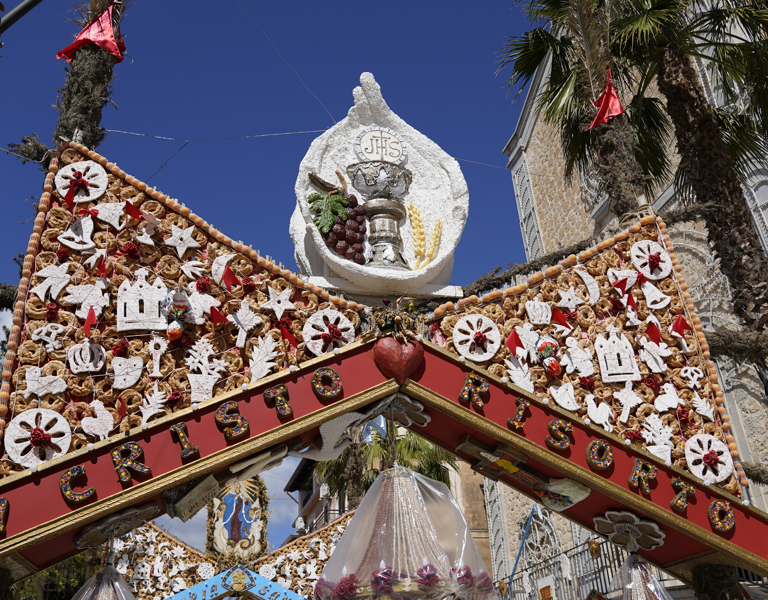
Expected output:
(347, 237)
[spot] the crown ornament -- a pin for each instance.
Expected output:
(539, 313)
(86, 357)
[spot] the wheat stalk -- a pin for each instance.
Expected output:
(434, 244)
(419, 239)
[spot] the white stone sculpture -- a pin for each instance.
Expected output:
(262, 357)
(78, 236)
(593, 288)
(157, 347)
(48, 334)
(100, 425)
(616, 358)
(55, 280)
(205, 570)
(245, 320)
(653, 355)
(139, 304)
(40, 385)
(181, 240)
(252, 466)
(599, 413)
(153, 404)
(24, 438)
(201, 304)
(703, 407)
(127, 371)
(576, 358)
(654, 297)
(86, 357)
(640, 253)
(565, 396)
(708, 458)
(90, 171)
(518, 373)
(658, 437)
(279, 302)
(438, 188)
(668, 400)
(113, 213)
(692, 374)
(192, 269)
(88, 296)
(569, 299)
(628, 399)
(539, 313)
(326, 330)
(476, 338)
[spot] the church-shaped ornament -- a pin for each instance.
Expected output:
(616, 358)
(139, 304)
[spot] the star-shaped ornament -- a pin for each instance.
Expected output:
(279, 301)
(569, 299)
(182, 240)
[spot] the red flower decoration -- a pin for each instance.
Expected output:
(346, 588)
(631, 434)
(334, 333)
(51, 311)
(570, 315)
(480, 339)
(587, 383)
(176, 396)
(484, 583)
(248, 285)
(121, 348)
(616, 304)
(284, 322)
(202, 284)
(184, 342)
(683, 415)
(78, 182)
(381, 580)
(711, 458)
(465, 578)
(130, 249)
(427, 576)
(652, 382)
(654, 260)
(38, 438)
(62, 254)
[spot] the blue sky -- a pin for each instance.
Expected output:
(205, 70)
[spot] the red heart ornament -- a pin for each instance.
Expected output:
(397, 360)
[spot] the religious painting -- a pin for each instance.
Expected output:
(237, 521)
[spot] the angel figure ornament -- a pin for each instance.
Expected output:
(653, 355)
(576, 358)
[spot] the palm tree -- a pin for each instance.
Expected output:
(355, 469)
(629, 152)
(716, 147)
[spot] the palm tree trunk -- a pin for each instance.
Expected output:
(731, 231)
(617, 165)
(353, 473)
(716, 582)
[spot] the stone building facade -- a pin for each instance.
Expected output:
(556, 212)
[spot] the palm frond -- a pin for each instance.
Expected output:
(744, 140)
(589, 39)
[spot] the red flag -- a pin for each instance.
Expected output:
(99, 32)
(103, 267)
(216, 316)
(513, 342)
(132, 211)
(69, 198)
(631, 301)
(123, 408)
(653, 332)
(681, 325)
(621, 285)
(287, 335)
(608, 104)
(90, 320)
(229, 278)
(641, 279)
(559, 317)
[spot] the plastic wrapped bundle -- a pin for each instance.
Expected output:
(107, 584)
(408, 539)
(637, 581)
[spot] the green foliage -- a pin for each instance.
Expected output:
(326, 208)
(65, 578)
(413, 452)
